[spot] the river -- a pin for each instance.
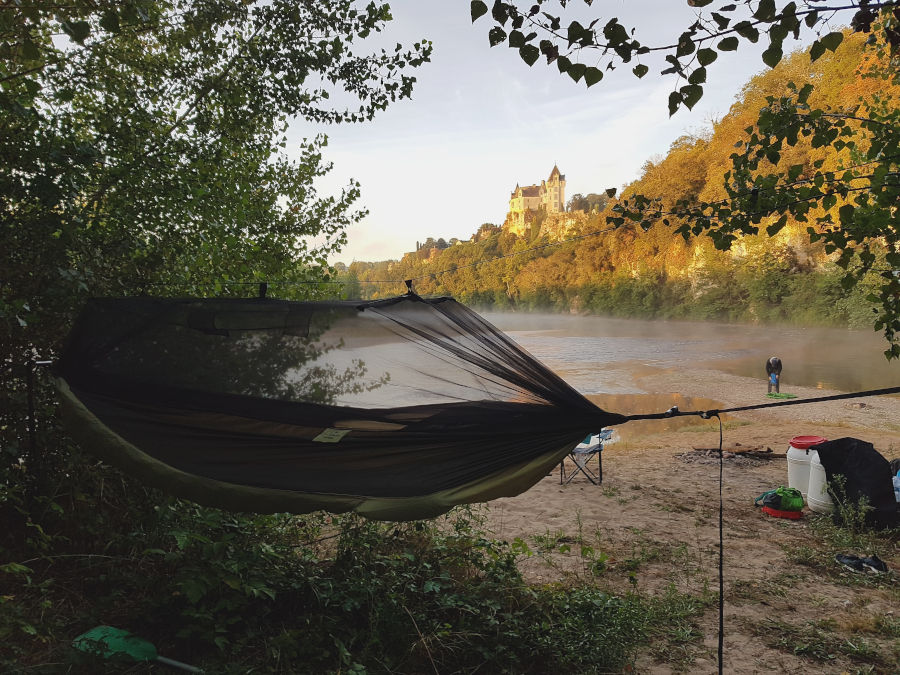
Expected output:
(584, 351)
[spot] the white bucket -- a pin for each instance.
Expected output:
(818, 498)
(798, 458)
(798, 469)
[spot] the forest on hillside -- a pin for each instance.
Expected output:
(651, 270)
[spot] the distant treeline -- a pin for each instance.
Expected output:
(655, 273)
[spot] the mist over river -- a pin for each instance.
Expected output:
(598, 355)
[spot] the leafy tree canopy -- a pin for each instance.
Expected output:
(144, 144)
(588, 202)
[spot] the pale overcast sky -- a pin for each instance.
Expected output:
(480, 121)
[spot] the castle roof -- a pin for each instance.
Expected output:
(531, 191)
(556, 172)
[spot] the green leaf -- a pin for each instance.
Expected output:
(110, 22)
(833, 40)
(575, 33)
(698, 76)
(776, 227)
(577, 70)
(530, 54)
(592, 76)
(563, 64)
(615, 32)
(14, 568)
(747, 30)
(772, 56)
(706, 56)
(30, 51)
(691, 94)
(78, 31)
(699, 3)
(765, 11)
(496, 36)
(611, 192)
(846, 214)
(729, 44)
(721, 21)
(816, 50)
(478, 9)
(640, 70)
(193, 590)
(674, 101)
(685, 45)
(812, 18)
(516, 39)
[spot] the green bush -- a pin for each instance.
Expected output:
(317, 594)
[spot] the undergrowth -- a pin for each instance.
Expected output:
(300, 594)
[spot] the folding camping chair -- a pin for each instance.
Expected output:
(582, 454)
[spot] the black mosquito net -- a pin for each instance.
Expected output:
(397, 409)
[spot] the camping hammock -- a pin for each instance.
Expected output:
(396, 409)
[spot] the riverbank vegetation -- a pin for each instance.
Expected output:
(315, 594)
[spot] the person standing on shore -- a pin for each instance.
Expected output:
(773, 371)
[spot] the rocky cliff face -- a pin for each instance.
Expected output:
(555, 226)
(558, 226)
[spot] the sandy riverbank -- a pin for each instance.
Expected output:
(655, 519)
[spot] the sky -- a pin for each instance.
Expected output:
(480, 121)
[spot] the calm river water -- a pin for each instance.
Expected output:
(583, 349)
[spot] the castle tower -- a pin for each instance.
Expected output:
(553, 192)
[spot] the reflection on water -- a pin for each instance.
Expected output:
(589, 352)
(635, 404)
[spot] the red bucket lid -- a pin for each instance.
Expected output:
(804, 442)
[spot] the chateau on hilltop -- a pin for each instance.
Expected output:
(549, 196)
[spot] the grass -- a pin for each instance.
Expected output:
(677, 639)
(610, 491)
(817, 641)
(743, 591)
(550, 541)
(888, 626)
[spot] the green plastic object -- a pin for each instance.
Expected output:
(791, 498)
(781, 499)
(111, 643)
(780, 395)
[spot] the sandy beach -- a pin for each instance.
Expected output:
(653, 525)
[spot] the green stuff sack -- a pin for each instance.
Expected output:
(791, 498)
(781, 499)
